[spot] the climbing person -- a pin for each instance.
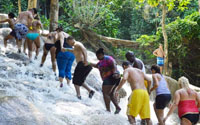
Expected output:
(110, 76)
(139, 99)
(11, 22)
(163, 95)
(136, 63)
(82, 68)
(159, 53)
(64, 59)
(49, 46)
(33, 37)
(23, 23)
(188, 101)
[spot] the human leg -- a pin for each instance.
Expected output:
(53, 58)
(37, 44)
(7, 38)
(45, 52)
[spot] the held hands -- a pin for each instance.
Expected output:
(63, 50)
(116, 75)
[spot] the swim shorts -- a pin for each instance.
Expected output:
(162, 100)
(139, 104)
(80, 73)
(160, 61)
(32, 36)
(21, 30)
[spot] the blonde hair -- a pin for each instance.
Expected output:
(183, 82)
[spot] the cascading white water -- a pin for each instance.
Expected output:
(30, 95)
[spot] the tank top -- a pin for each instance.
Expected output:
(187, 106)
(162, 87)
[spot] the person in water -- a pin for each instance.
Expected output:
(110, 76)
(187, 101)
(163, 95)
(82, 68)
(32, 37)
(159, 53)
(11, 22)
(49, 46)
(139, 98)
(23, 23)
(64, 59)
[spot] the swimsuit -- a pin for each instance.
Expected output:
(139, 104)
(21, 30)
(80, 73)
(48, 46)
(188, 109)
(160, 61)
(32, 36)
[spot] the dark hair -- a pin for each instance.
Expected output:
(59, 28)
(130, 53)
(34, 10)
(70, 38)
(37, 17)
(156, 68)
(100, 51)
(125, 63)
(11, 15)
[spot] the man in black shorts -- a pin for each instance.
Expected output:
(82, 68)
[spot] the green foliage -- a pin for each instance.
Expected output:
(45, 22)
(183, 45)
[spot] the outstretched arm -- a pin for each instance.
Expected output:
(123, 81)
(148, 81)
(3, 21)
(155, 52)
(155, 81)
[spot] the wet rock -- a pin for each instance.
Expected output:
(17, 56)
(18, 111)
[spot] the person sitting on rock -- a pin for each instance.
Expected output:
(188, 101)
(11, 22)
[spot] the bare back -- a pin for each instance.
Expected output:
(187, 94)
(79, 49)
(11, 23)
(25, 18)
(135, 78)
(51, 38)
(36, 24)
(159, 52)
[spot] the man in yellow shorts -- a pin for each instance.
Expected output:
(139, 99)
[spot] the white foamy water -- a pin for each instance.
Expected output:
(59, 106)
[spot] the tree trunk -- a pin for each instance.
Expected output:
(19, 6)
(32, 4)
(199, 6)
(54, 9)
(165, 40)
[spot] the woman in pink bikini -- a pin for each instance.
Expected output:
(188, 102)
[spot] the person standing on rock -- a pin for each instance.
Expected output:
(163, 95)
(49, 46)
(139, 98)
(159, 53)
(82, 68)
(23, 23)
(110, 76)
(11, 22)
(64, 59)
(187, 101)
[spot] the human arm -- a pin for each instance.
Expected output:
(155, 52)
(123, 81)
(3, 21)
(148, 81)
(198, 100)
(155, 81)
(174, 105)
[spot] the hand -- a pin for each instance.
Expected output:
(85, 63)
(63, 50)
(116, 94)
(164, 120)
(116, 75)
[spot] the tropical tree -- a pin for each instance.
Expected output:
(32, 4)
(54, 9)
(166, 5)
(19, 6)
